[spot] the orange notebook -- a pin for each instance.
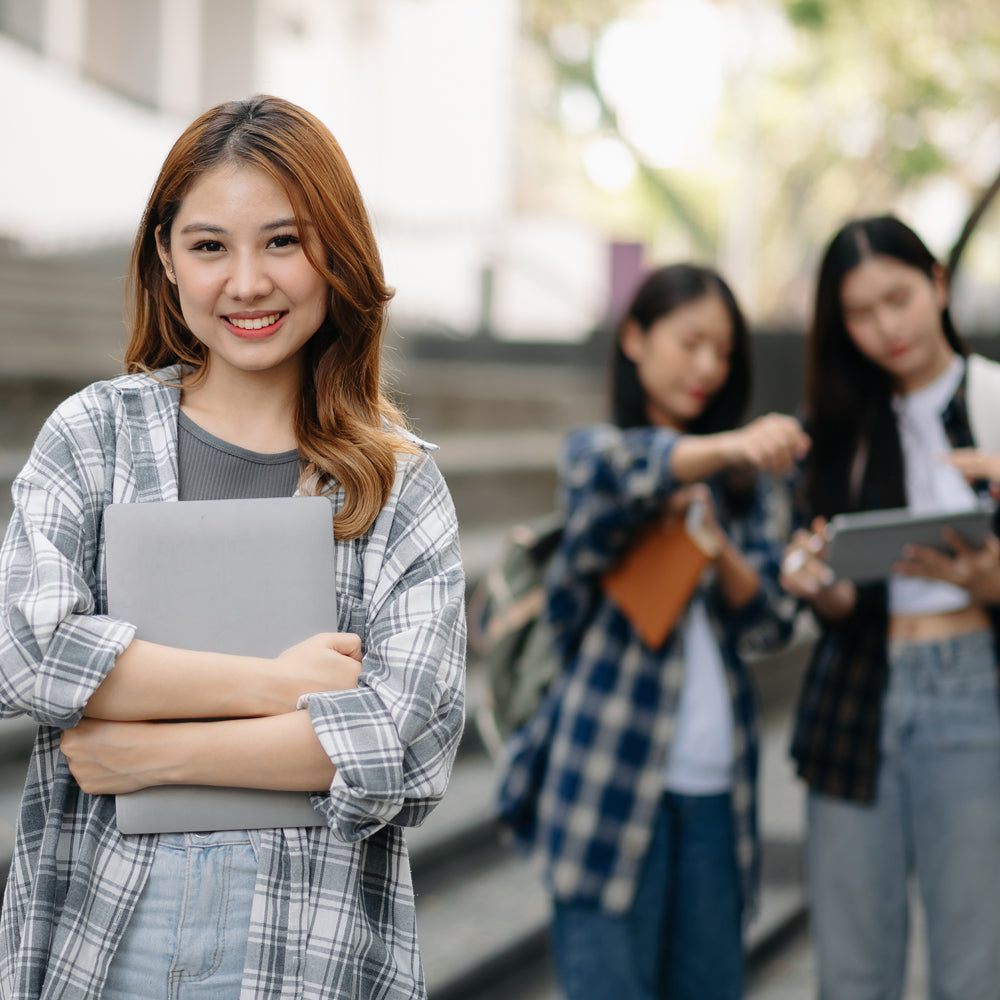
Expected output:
(655, 580)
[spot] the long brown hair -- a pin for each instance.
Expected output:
(346, 429)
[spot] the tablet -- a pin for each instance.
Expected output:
(864, 546)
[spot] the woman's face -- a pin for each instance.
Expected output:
(892, 312)
(682, 360)
(247, 290)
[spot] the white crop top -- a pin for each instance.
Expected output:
(931, 485)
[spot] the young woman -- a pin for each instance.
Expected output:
(898, 727)
(258, 306)
(635, 781)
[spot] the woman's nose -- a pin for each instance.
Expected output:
(248, 279)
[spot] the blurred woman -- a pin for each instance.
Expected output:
(635, 781)
(898, 726)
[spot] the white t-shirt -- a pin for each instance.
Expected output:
(701, 755)
(931, 485)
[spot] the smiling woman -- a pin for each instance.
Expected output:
(258, 308)
(250, 296)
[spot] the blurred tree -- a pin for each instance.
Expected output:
(831, 108)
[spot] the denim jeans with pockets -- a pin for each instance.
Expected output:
(188, 936)
(936, 816)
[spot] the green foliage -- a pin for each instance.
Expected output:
(835, 108)
(808, 14)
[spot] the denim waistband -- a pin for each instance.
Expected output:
(972, 647)
(213, 838)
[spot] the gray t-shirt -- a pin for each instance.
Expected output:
(209, 468)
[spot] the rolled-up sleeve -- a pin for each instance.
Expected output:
(394, 738)
(54, 649)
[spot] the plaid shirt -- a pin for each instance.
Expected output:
(584, 778)
(333, 911)
(838, 721)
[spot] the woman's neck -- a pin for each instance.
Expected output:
(252, 411)
(937, 365)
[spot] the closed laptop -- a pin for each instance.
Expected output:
(251, 577)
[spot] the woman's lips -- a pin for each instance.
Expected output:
(255, 327)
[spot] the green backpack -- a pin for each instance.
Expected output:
(509, 636)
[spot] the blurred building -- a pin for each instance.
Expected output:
(422, 94)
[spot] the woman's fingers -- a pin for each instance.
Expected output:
(975, 464)
(803, 570)
(774, 442)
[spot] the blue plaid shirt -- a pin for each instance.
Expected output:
(584, 777)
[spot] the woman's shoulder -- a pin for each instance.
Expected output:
(96, 407)
(583, 443)
(106, 394)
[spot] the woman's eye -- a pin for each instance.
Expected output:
(208, 246)
(278, 242)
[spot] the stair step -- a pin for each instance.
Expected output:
(480, 924)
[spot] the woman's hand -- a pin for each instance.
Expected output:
(974, 570)
(772, 443)
(111, 757)
(805, 574)
(975, 464)
(738, 580)
(330, 661)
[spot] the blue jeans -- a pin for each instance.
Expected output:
(188, 936)
(936, 814)
(682, 939)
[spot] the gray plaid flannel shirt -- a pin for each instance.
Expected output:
(333, 912)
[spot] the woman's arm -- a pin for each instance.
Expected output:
(772, 443)
(278, 752)
(150, 681)
(739, 582)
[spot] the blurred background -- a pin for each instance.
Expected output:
(522, 160)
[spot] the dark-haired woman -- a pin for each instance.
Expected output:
(898, 727)
(635, 781)
(253, 370)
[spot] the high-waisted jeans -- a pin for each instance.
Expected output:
(936, 814)
(188, 936)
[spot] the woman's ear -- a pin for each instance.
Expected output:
(633, 337)
(164, 255)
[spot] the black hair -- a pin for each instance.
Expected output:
(848, 403)
(661, 292)
(664, 290)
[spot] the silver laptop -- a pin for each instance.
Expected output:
(251, 577)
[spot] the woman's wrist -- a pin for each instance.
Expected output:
(836, 602)
(699, 456)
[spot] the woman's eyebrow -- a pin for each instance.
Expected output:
(209, 227)
(202, 227)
